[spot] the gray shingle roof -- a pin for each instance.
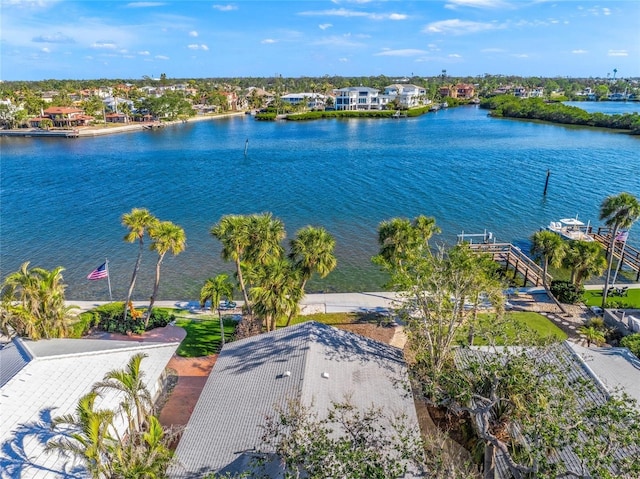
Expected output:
(324, 364)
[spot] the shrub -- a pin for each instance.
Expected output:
(83, 325)
(632, 342)
(110, 319)
(597, 323)
(566, 292)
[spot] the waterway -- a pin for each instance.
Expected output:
(62, 199)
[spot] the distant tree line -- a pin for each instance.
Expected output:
(537, 109)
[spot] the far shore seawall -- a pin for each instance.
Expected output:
(89, 132)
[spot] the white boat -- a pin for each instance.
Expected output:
(571, 228)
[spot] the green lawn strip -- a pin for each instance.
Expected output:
(203, 335)
(515, 322)
(631, 300)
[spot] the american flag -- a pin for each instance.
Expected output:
(100, 272)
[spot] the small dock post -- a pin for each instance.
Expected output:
(246, 146)
(546, 183)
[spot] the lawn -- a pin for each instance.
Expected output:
(517, 322)
(631, 300)
(203, 335)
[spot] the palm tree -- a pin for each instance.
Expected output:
(401, 239)
(233, 232)
(619, 212)
(86, 435)
(312, 251)
(33, 303)
(278, 293)
(165, 237)
(214, 290)
(265, 234)
(585, 259)
(550, 249)
(136, 401)
(139, 220)
(592, 335)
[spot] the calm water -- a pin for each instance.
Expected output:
(62, 199)
(608, 107)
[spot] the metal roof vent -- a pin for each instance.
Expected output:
(325, 375)
(287, 374)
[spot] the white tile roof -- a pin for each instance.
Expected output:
(249, 378)
(58, 373)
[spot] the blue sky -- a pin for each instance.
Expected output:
(65, 39)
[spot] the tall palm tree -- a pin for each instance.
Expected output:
(265, 235)
(277, 292)
(165, 236)
(214, 290)
(312, 251)
(550, 249)
(233, 232)
(619, 212)
(136, 402)
(401, 239)
(584, 259)
(138, 221)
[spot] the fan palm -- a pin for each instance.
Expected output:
(138, 221)
(233, 232)
(265, 234)
(214, 290)
(549, 248)
(165, 236)
(584, 259)
(619, 212)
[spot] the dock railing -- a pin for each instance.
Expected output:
(625, 253)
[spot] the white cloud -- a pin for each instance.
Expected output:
(53, 38)
(161, 57)
(324, 26)
(195, 46)
(343, 60)
(338, 41)
(493, 50)
(520, 55)
(269, 41)
(104, 45)
(454, 55)
(225, 8)
(204, 47)
(579, 52)
(345, 13)
(144, 4)
(193, 33)
(407, 52)
(459, 27)
(144, 53)
(617, 53)
(606, 11)
(45, 50)
(454, 4)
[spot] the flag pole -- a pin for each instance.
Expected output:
(106, 262)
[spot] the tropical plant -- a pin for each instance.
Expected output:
(566, 291)
(138, 221)
(592, 335)
(265, 234)
(619, 212)
(277, 293)
(135, 400)
(33, 303)
(165, 236)
(233, 232)
(549, 248)
(632, 343)
(585, 259)
(214, 290)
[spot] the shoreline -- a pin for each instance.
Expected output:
(92, 131)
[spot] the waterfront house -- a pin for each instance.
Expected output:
(40, 380)
(408, 95)
(310, 362)
(62, 117)
(462, 91)
(311, 100)
(357, 98)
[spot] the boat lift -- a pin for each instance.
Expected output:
(487, 237)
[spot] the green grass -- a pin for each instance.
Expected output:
(203, 336)
(514, 324)
(631, 300)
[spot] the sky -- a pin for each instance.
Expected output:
(91, 39)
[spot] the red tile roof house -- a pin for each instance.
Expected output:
(63, 117)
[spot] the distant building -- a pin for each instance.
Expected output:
(408, 95)
(311, 100)
(62, 117)
(461, 91)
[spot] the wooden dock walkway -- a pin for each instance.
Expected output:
(630, 256)
(511, 256)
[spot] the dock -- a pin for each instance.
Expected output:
(512, 258)
(629, 257)
(37, 132)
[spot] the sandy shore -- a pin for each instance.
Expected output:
(92, 131)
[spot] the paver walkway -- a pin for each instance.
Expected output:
(192, 376)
